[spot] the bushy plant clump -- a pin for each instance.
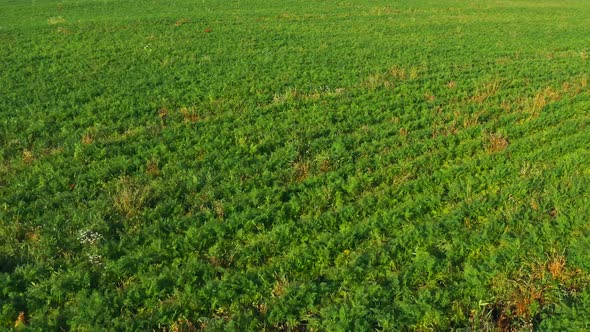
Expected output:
(327, 165)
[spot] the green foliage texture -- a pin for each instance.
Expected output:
(294, 165)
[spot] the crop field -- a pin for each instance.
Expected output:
(239, 165)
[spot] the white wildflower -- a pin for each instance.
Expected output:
(89, 237)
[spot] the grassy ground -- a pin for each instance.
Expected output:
(320, 165)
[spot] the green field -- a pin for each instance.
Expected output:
(315, 165)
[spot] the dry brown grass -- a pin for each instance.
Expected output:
(28, 156)
(534, 204)
(152, 167)
(291, 95)
(533, 288)
(63, 30)
(182, 21)
(56, 20)
(556, 267)
(390, 78)
(20, 321)
(486, 91)
(379, 80)
(543, 98)
(129, 196)
(444, 129)
(163, 116)
(497, 143)
(325, 165)
(262, 308)
(526, 295)
(413, 73)
(33, 235)
(163, 113)
(534, 105)
(506, 106)
(183, 325)
(584, 82)
(471, 120)
(520, 299)
(398, 73)
(287, 96)
(286, 16)
(280, 286)
(302, 169)
(87, 139)
(190, 114)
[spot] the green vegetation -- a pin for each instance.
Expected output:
(294, 165)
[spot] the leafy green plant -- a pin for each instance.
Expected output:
(215, 165)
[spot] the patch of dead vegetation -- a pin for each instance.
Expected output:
(182, 22)
(391, 77)
(486, 91)
(293, 95)
(542, 99)
(129, 196)
(534, 289)
(496, 143)
(56, 20)
(190, 114)
(28, 157)
(302, 169)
